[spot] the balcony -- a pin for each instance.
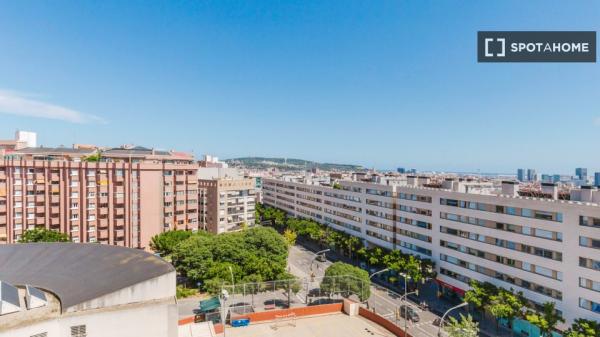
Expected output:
(40, 220)
(2, 219)
(103, 234)
(55, 198)
(119, 222)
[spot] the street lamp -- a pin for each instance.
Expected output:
(406, 277)
(232, 280)
(224, 295)
(378, 272)
(446, 313)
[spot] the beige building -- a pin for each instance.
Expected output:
(226, 200)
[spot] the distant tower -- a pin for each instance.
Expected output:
(581, 173)
(597, 179)
(521, 175)
(531, 175)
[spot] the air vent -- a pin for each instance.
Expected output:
(35, 298)
(9, 299)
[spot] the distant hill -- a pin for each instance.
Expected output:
(289, 164)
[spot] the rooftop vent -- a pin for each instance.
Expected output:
(35, 298)
(9, 299)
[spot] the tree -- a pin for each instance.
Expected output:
(505, 305)
(345, 278)
(583, 328)
(290, 237)
(479, 294)
(43, 235)
(256, 254)
(546, 320)
(466, 327)
(165, 242)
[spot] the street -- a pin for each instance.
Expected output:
(383, 301)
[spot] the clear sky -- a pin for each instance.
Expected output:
(378, 83)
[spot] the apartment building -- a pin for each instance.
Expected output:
(120, 196)
(226, 199)
(544, 246)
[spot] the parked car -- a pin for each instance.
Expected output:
(409, 313)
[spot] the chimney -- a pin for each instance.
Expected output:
(510, 188)
(587, 193)
(411, 180)
(550, 188)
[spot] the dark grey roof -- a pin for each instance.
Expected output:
(78, 272)
(53, 150)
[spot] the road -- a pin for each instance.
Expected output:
(384, 301)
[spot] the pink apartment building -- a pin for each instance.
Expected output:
(129, 195)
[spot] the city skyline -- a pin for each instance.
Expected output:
(381, 85)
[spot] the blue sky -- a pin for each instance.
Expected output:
(378, 83)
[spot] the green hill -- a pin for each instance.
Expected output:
(289, 164)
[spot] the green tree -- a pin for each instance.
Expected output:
(546, 320)
(165, 242)
(583, 328)
(93, 158)
(479, 294)
(345, 278)
(256, 254)
(43, 235)
(466, 327)
(290, 237)
(505, 305)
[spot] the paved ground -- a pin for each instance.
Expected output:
(338, 325)
(384, 301)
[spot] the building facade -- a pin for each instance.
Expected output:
(227, 204)
(547, 248)
(124, 197)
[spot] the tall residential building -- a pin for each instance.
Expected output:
(123, 197)
(581, 173)
(531, 175)
(597, 179)
(226, 200)
(521, 175)
(401, 170)
(546, 247)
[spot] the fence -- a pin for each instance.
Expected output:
(252, 297)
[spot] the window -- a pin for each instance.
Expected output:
(78, 331)
(74, 172)
(589, 305)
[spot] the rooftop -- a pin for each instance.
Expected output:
(76, 273)
(337, 325)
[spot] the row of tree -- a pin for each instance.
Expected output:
(351, 246)
(509, 305)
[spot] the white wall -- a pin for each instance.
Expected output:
(147, 320)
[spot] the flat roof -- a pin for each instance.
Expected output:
(336, 325)
(78, 272)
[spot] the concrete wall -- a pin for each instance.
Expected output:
(155, 319)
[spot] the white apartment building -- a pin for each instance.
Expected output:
(545, 247)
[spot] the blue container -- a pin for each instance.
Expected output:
(236, 323)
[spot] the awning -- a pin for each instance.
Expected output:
(209, 304)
